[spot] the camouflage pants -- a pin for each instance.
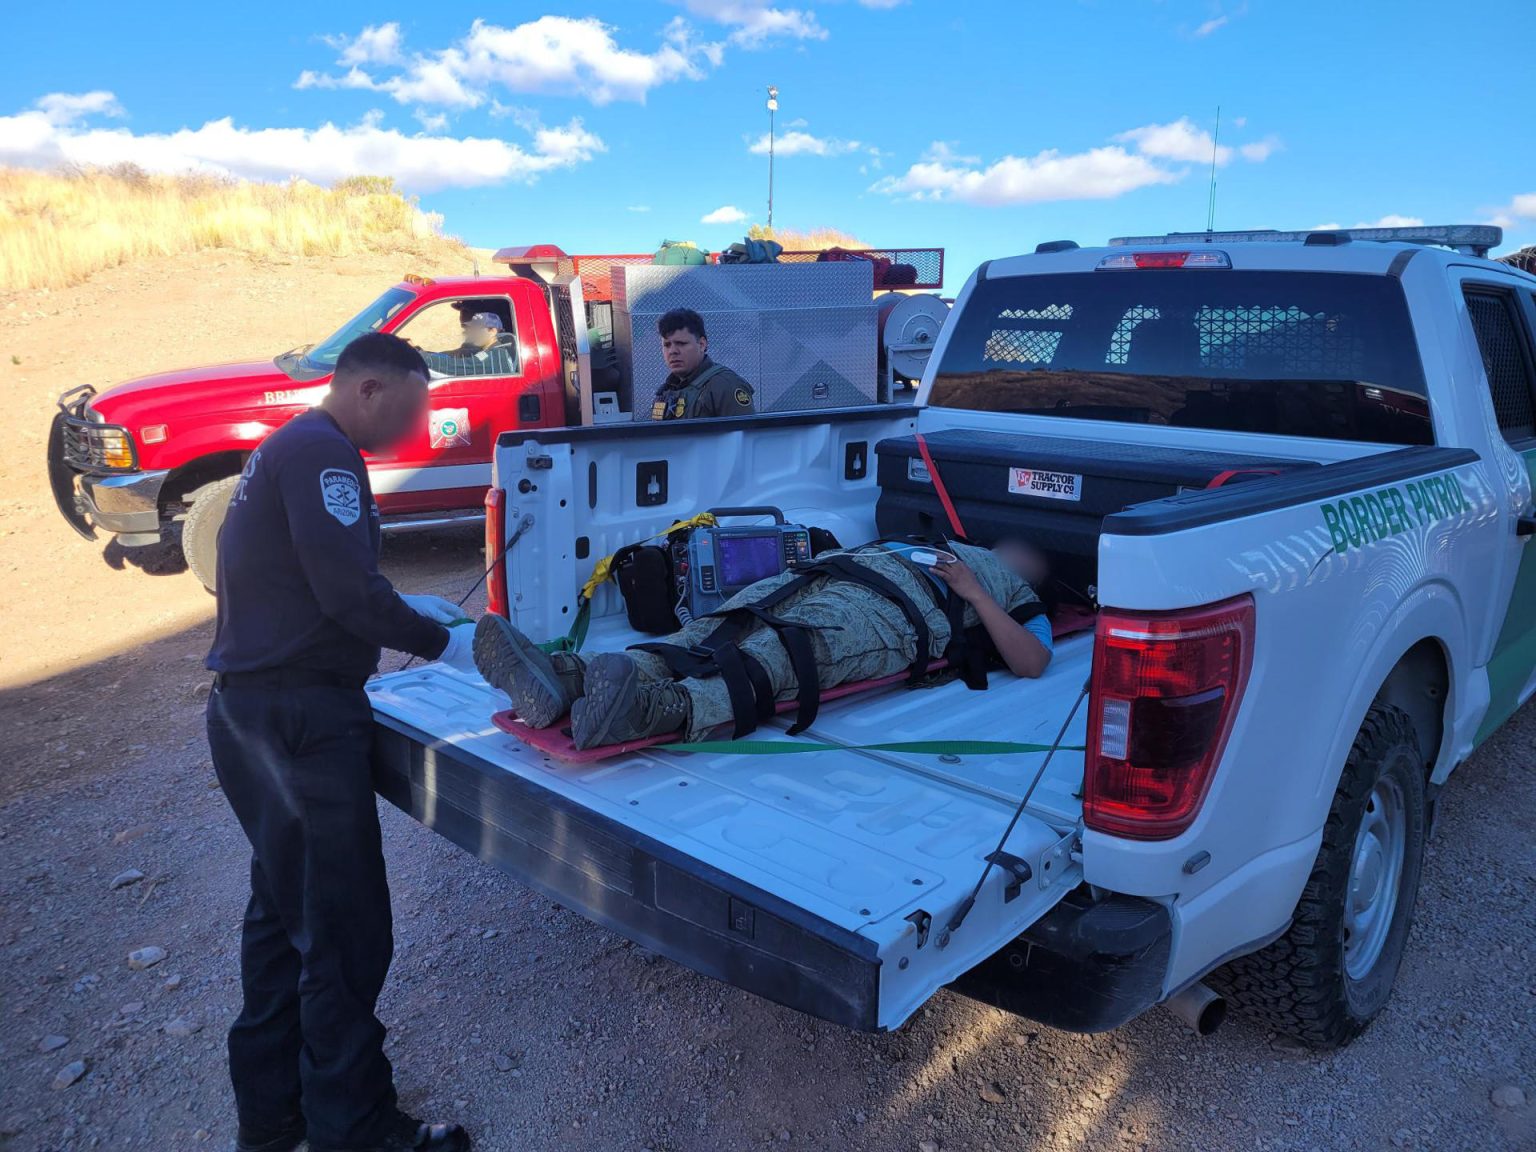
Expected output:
(855, 634)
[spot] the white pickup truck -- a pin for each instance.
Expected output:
(1291, 477)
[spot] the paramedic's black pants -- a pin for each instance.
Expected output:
(317, 941)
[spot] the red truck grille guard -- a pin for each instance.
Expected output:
(69, 453)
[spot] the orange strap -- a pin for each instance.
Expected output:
(938, 486)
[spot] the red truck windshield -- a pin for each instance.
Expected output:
(321, 359)
(1326, 355)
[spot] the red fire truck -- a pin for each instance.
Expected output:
(155, 459)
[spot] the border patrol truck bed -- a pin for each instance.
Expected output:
(822, 881)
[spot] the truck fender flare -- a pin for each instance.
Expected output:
(201, 471)
(1432, 612)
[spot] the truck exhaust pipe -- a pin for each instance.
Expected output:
(1200, 1007)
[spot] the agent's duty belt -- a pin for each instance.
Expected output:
(283, 678)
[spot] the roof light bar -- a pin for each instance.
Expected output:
(1470, 239)
(1165, 260)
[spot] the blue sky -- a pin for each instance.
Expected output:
(982, 127)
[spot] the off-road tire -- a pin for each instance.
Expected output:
(1299, 984)
(200, 529)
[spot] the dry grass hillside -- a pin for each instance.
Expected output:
(64, 605)
(57, 228)
(807, 240)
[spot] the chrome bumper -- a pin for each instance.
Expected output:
(126, 504)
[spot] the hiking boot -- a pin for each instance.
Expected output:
(541, 686)
(619, 706)
(408, 1134)
(284, 1138)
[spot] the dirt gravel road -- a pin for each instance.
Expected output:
(532, 1027)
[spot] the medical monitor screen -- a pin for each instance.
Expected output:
(746, 559)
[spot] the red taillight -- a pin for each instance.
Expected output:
(1161, 259)
(1206, 258)
(496, 600)
(1165, 689)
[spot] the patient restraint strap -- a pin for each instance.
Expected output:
(839, 566)
(796, 639)
(746, 682)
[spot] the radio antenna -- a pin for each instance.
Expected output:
(1210, 203)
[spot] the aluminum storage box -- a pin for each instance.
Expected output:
(803, 335)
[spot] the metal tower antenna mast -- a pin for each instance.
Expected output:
(1210, 204)
(773, 106)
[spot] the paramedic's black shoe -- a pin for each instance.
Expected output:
(542, 687)
(408, 1134)
(284, 1138)
(619, 706)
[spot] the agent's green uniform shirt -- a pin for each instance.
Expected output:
(710, 390)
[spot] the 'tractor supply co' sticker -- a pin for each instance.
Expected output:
(1050, 485)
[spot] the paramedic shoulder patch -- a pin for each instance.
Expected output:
(342, 494)
(1050, 485)
(743, 397)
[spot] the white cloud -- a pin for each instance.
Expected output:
(1155, 155)
(729, 214)
(638, 208)
(421, 163)
(943, 152)
(1259, 150)
(1220, 20)
(432, 121)
(755, 22)
(68, 107)
(1099, 174)
(1390, 220)
(802, 144)
(1179, 141)
(1519, 211)
(376, 44)
(560, 55)
(353, 78)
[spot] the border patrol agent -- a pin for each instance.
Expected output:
(302, 616)
(697, 386)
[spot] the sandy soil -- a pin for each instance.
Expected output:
(536, 1029)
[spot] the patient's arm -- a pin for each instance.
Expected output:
(1021, 652)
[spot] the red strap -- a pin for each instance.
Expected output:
(1222, 477)
(938, 486)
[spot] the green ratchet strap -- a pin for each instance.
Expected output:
(577, 636)
(912, 747)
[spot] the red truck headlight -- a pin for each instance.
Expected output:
(1165, 688)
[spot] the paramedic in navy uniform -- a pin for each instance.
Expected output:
(302, 615)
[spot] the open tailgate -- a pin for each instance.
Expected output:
(821, 881)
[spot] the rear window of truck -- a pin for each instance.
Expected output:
(1325, 355)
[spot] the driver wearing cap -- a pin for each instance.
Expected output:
(487, 350)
